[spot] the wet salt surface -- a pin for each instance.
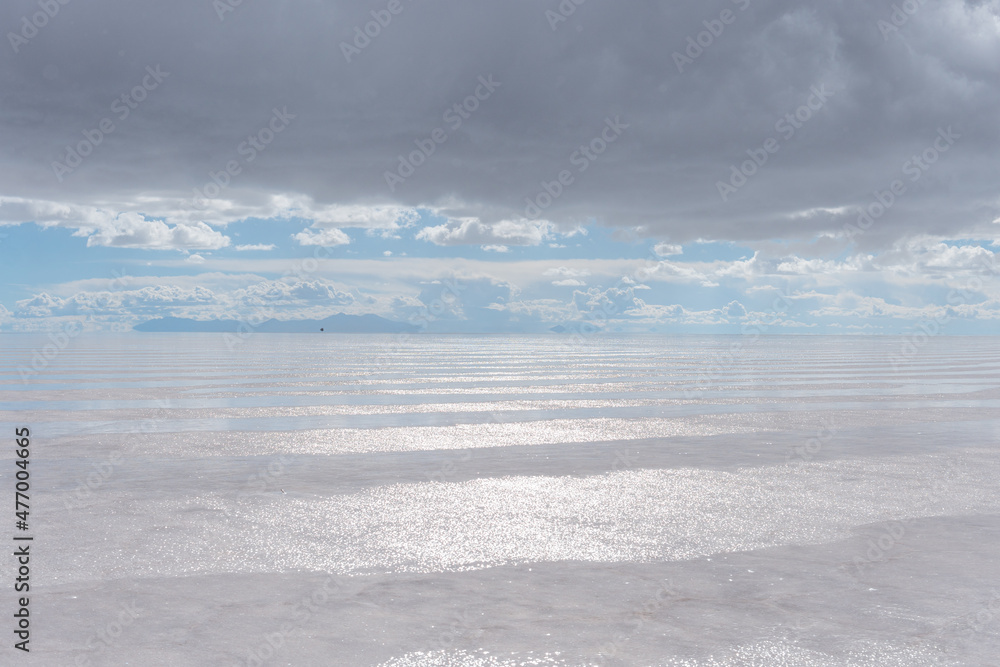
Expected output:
(764, 654)
(810, 504)
(628, 516)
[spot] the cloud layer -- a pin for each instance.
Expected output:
(643, 164)
(209, 118)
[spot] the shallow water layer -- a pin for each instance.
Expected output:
(496, 501)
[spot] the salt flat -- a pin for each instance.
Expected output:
(463, 500)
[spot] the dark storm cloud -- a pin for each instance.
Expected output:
(879, 97)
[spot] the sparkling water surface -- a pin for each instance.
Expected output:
(510, 500)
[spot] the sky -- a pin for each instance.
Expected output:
(818, 166)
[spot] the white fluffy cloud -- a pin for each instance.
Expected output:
(170, 223)
(291, 299)
(668, 249)
(734, 310)
(127, 304)
(381, 217)
(255, 246)
(107, 227)
(613, 301)
(322, 237)
(566, 272)
(472, 231)
(131, 230)
(278, 292)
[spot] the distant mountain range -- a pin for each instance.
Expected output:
(339, 323)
